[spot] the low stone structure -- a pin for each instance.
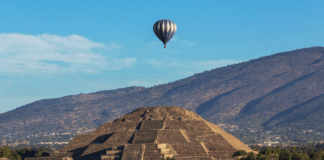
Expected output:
(154, 133)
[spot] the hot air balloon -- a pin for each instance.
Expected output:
(164, 29)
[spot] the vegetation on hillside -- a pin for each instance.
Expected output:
(20, 154)
(314, 152)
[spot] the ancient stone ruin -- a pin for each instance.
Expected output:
(153, 133)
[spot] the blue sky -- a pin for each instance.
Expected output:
(51, 49)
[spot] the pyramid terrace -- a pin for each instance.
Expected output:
(153, 133)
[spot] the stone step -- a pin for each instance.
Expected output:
(131, 157)
(153, 157)
(147, 136)
(143, 140)
(60, 154)
(161, 146)
(152, 153)
(150, 145)
(114, 152)
(167, 155)
(194, 158)
(111, 157)
(132, 152)
(152, 150)
(166, 151)
(157, 151)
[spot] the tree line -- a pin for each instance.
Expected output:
(314, 152)
(20, 154)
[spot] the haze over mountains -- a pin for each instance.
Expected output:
(283, 91)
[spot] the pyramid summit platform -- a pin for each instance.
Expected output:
(153, 133)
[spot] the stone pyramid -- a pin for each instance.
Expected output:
(154, 133)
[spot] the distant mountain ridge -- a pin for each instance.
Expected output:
(276, 91)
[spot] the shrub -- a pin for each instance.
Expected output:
(312, 155)
(299, 156)
(259, 156)
(240, 153)
(265, 158)
(266, 151)
(285, 155)
(251, 156)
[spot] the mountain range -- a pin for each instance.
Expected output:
(282, 91)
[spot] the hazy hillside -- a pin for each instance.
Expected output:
(284, 89)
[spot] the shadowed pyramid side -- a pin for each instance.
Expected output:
(236, 143)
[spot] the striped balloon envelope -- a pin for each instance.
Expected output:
(164, 29)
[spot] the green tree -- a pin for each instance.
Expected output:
(240, 153)
(265, 158)
(251, 156)
(259, 156)
(255, 148)
(15, 156)
(312, 155)
(319, 155)
(275, 157)
(42, 151)
(5, 152)
(276, 150)
(266, 151)
(293, 150)
(299, 156)
(285, 155)
(26, 152)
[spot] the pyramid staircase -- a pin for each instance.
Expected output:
(150, 151)
(133, 152)
(112, 155)
(158, 151)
